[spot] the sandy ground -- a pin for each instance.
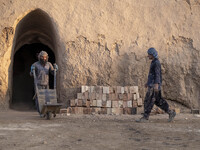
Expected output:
(26, 130)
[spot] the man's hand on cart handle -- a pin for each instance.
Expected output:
(32, 68)
(55, 66)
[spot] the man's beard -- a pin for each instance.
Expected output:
(43, 62)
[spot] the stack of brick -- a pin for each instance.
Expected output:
(106, 100)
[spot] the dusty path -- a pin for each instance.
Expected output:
(25, 130)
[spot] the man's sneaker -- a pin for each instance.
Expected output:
(143, 119)
(172, 114)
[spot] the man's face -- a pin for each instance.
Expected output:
(43, 59)
(150, 56)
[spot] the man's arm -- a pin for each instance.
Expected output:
(32, 68)
(52, 68)
(157, 75)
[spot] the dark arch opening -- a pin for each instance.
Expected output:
(23, 85)
(35, 32)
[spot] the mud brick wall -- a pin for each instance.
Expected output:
(113, 100)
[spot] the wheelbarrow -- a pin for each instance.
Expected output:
(47, 99)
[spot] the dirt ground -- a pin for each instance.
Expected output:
(26, 130)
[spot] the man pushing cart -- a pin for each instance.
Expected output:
(45, 98)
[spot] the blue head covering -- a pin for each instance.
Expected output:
(152, 51)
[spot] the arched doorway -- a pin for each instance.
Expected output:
(23, 87)
(35, 32)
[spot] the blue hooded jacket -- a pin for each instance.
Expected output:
(155, 74)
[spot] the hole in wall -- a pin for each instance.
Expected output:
(35, 32)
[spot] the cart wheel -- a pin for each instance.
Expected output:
(49, 115)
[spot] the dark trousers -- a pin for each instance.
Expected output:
(152, 98)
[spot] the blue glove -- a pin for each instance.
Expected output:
(55, 67)
(32, 68)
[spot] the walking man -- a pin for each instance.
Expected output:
(153, 95)
(42, 69)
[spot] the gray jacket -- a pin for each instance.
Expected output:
(42, 72)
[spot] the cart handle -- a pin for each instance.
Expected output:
(34, 75)
(55, 70)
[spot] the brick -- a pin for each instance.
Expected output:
(125, 96)
(127, 111)
(84, 89)
(78, 110)
(91, 102)
(137, 95)
(84, 102)
(92, 96)
(103, 111)
(79, 95)
(99, 103)
(136, 89)
(108, 103)
(92, 110)
(80, 103)
(120, 96)
(85, 95)
(87, 103)
(76, 102)
(87, 110)
(114, 89)
(134, 110)
(104, 103)
(98, 96)
(97, 110)
(129, 104)
(115, 104)
(125, 104)
(120, 104)
(126, 89)
(98, 89)
(111, 90)
(106, 90)
(130, 111)
(139, 102)
(72, 102)
(94, 103)
(122, 90)
(129, 96)
(140, 110)
(104, 97)
(92, 89)
(71, 110)
(135, 104)
(134, 97)
(114, 96)
(119, 89)
(117, 111)
(107, 96)
(132, 89)
(64, 110)
(109, 111)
